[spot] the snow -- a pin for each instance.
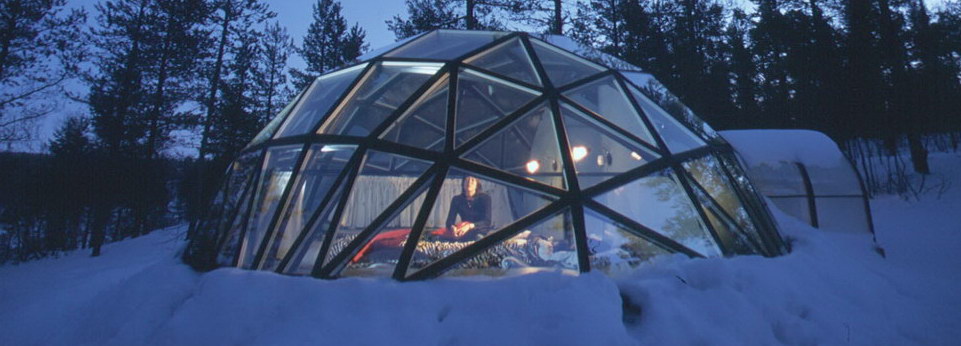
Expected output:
(832, 289)
(812, 148)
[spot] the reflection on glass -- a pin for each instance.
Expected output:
(660, 203)
(562, 67)
(317, 174)
(460, 217)
(379, 93)
(482, 100)
(604, 153)
(612, 247)
(274, 123)
(606, 98)
(233, 229)
(547, 245)
(509, 59)
(317, 102)
(305, 256)
(677, 137)
(278, 166)
(446, 44)
(667, 101)
(381, 180)
(707, 174)
(527, 148)
(424, 124)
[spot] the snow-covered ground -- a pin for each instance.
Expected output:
(832, 289)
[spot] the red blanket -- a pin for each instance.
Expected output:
(395, 238)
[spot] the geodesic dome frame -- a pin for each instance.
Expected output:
(587, 166)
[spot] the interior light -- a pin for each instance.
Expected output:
(579, 152)
(532, 166)
(600, 160)
(636, 156)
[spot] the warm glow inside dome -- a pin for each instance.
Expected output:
(494, 153)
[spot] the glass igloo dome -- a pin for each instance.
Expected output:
(464, 152)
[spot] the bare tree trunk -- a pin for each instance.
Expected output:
(919, 155)
(471, 21)
(558, 28)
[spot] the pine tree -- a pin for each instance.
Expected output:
(328, 44)
(41, 46)
(271, 89)
(427, 15)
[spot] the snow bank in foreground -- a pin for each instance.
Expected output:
(833, 289)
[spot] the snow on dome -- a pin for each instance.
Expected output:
(479, 152)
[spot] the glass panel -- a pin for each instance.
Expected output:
(381, 91)
(445, 44)
(606, 99)
(232, 232)
(845, 214)
(562, 67)
(656, 92)
(382, 178)
(320, 97)
(660, 203)
(598, 152)
(269, 130)
(379, 256)
(782, 179)
(677, 137)
(794, 206)
(527, 148)
(278, 167)
(839, 179)
(707, 172)
(239, 175)
(317, 174)
(548, 244)
(728, 231)
(509, 59)
(305, 256)
(752, 200)
(613, 248)
(424, 124)
(482, 100)
(588, 52)
(494, 205)
(384, 49)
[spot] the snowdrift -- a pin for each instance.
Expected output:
(832, 289)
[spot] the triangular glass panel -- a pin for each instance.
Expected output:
(598, 152)
(527, 148)
(424, 124)
(728, 233)
(274, 178)
(320, 97)
(612, 247)
(563, 68)
(508, 59)
(659, 202)
(671, 104)
(445, 44)
(459, 218)
(383, 177)
(677, 137)
(305, 256)
(379, 256)
(378, 95)
(233, 229)
(709, 175)
(605, 98)
(483, 99)
(268, 131)
(316, 179)
(547, 245)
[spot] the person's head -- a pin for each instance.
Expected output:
(470, 186)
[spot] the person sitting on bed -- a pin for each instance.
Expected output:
(474, 208)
